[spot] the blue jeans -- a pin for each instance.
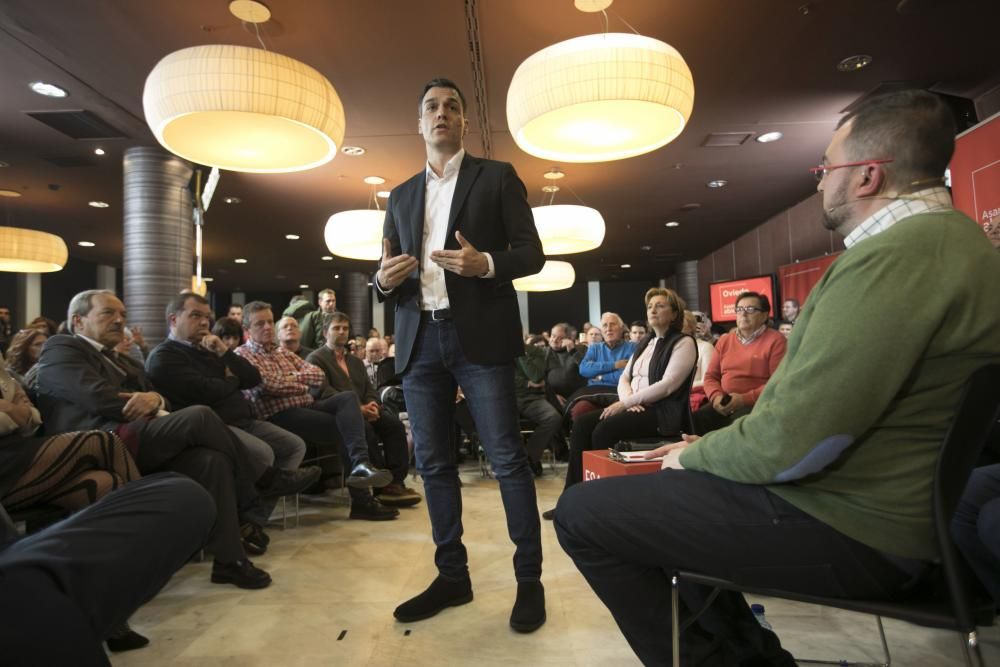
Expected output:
(975, 527)
(437, 365)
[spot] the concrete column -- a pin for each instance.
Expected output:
(593, 302)
(687, 283)
(354, 298)
(158, 247)
(106, 277)
(522, 306)
(29, 298)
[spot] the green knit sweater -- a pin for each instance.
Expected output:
(849, 427)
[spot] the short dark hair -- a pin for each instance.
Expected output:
(440, 83)
(337, 316)
(913, 127)
(762, 300)
(249, 309)
(228, 326)
(177, 304)
(639, 323)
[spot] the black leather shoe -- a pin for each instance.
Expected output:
(441, 594)
(241, 574)
(255, 540)
(529, 609)
(548, 514)
(290, 482)
(125, 639)
(365, 475)
(370, 509)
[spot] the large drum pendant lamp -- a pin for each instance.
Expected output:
(554, 276)
(568, 228)
(599, 98)
(31, 251)
(355, 234)
(243, 109)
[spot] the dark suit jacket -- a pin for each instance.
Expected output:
(78, 386)
(358, 381)
(491, 210)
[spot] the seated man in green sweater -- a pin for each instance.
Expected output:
(825, 487)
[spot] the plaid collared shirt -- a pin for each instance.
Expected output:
(922, 201)
(285, 379)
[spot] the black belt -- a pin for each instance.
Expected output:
(436, 315)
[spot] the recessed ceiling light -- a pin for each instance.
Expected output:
(374, 180)
(626, 266)
(206, 279)
(717, 183)
(768, 137)
(554, 174)
(231, 200)
(353, 151)
(292, 237)
(280, 276)
(98, 204)
(854, 63)
(550, 188)
(326, 258)
(47, 89)
(4, 164)
(304, 286)
(646, 248)
(369, 284)
(99, 151)
(384, 194)
(672, 223)
(336, 276)
(250, 11)
(9, 193)
(239, 260)
(85, 244)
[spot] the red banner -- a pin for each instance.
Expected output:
(797, 280)
(723, 295)
(975, 175)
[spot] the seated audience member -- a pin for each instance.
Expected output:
(194, 367)
(25, 348)
(358, 350)
(743, 362)
(992, 230)
(562, 364)
(703, 328)
(346, 373)
(705, 353)
(375, 349)
(373, 333)
(637, 331)
(975, 527)
(290, 337)
(825, 488)
(65, 589)
(330, 426)
(652, 391)
(790, 310)
(316, 322)
(235, 311)
(6, 329)
(50, 327)
(602, 366)
(230, 331)
(83, 384)
(594, 336)
(532, 406)
(785, 328)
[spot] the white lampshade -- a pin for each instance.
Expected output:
(567, 228)
(31, 251)
(243, 109)
(355, 234)
(553, 276)
(599, 98)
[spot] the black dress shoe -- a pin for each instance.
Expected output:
(536, 467)
(255, 540)
(441, 594)
(365, 475)
(125, 639)
(290, 482)
(370, 509)
(241, 574)
(529, 609)
(549, 514)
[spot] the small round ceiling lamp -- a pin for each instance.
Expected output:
(599, 98)
(568, 228)
(554, 276)
(355, 234)
(243, 109)
(31, 251)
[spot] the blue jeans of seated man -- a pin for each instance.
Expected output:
(437, 364)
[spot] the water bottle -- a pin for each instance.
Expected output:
(758, 613)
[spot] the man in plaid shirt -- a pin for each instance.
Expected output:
(285, 398)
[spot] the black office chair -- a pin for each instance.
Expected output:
(963, 606)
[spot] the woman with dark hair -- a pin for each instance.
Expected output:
(24, 350)
(653, 390)
(230, 330)
(50, 327)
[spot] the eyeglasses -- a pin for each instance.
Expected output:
(822, 170)
(749, 310)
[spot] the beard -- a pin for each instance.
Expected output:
(836, 214)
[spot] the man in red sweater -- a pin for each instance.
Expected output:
(743, 362)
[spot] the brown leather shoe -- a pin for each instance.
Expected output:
(397, 495)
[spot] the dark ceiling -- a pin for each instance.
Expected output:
(758, 66)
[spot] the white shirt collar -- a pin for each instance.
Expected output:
(904, 206)
(450, 167)
(97, 346)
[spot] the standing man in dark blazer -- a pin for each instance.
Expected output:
(456, 234)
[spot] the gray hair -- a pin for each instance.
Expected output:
(82, 304)
(249, 309)
(618, 317)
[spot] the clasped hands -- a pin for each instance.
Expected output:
(671, 453)
(139, 404)
(466, 261)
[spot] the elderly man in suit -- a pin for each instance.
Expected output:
(456, 234)
(84, 384)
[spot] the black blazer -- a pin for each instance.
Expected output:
(358, 381)
(78, 387)
(490, 208)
